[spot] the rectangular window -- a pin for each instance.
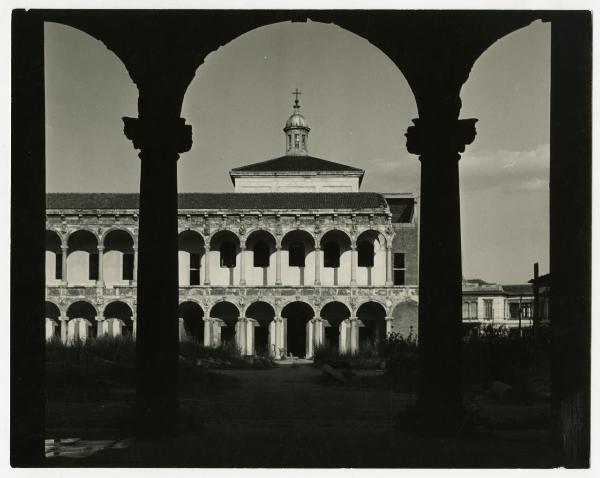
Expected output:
(127, 267)
(289, 141)
(399, 268)
(297, 141)
(58, 269)
(488, 309)
(513, 308)
(470, 310)
(93, 274)
(194, 268)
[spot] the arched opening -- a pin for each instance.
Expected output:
(336, 258)
(54, 273)
(224, 247)
(298, 258)
(372, 315)
(84, 310)
(52, 313)
(229, 314)
(121, 311)
(191, 253)
(406, 319)
(261, 244)
(82, 258)
(297, 315)
(263, 313)
(117, 261)
(371, 261)
(334, 313)
(193, 320)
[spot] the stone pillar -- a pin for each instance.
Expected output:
(100, 281)
(319, 332)
(354, 260)
(277, 343)
(317, 265)
(182, 333)
(240, 334)
(64, 334)
(242, 264)
(278, 265)
(50, 328)
(135, 262)
(160, 135)
(250, 333)
(65, 277)
(207, 265)
(438, 142)
(100, 326)
(208, 333)
(310, 337)
(344, 344)
(134, 326)
(354, 325)
(389, 280)
(388, 325)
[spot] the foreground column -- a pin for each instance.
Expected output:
(160, 140)
(438, 143)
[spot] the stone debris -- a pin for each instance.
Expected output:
(78, 448)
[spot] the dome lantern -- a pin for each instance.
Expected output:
(296, 131)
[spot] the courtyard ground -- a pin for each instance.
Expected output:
(296, 416)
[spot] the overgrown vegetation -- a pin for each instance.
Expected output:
(226, 355)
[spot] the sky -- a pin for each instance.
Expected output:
(358, 105)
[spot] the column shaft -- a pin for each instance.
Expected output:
(317, 266)
(242, 265)
(353, 258)
(388, 266)
(278, 266)
(100, 281)
(65, 251)
(207, 265)
(135, 263)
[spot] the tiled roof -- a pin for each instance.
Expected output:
(518, 289)
(254, 201)
(296, 163)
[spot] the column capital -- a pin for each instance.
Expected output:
(100, 248)
(450, 136)
(64, 247)
(166, 134)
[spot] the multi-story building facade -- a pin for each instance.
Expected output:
(498, 305)
(295, 257)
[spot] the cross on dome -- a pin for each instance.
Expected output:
(296, 130)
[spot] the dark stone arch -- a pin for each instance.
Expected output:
(122, 311)
(228, 313)
(297, 314)
(334, 313)
(263, 313)
(193, 319)
(372, 315)
(52, 311)
(85, 310)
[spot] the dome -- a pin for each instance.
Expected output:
(296, 121)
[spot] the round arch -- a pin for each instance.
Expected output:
(82, 309)
(372, 314)
(229, 313)
(118, 256)
(191, 255)
(54, 259)
(52, 310)
(297, 314)
(118, 309)
(263, 313)
(192, 314)
(334, 312)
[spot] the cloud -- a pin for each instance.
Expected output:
(506, 171)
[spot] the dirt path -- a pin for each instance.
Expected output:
(295, 417)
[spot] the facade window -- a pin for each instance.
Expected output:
(297, 254)
(194, 268)
(93, 273)
(366, 254)
(289, 141)
(470, 310)
(331, 254)
(488, 309)
(227, 253)
(261, 255)
(127, 267)
(58, 272)
(523, 309)
(399, 268)
(303, 141)
(297, 141)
